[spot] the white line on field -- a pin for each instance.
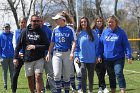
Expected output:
(131, 71)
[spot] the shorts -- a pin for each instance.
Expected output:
(33, 67)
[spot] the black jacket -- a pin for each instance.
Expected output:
(35, 37)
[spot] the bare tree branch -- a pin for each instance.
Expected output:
(13, 9)
(23, 7)
(29, 9)
(16, 6)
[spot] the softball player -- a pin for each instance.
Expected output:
(75, 67)
(62, 43)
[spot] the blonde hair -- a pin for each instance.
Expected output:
(115, 18)
(67, 16)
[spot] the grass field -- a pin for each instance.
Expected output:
(131, 71)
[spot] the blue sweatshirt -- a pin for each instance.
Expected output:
(99, 32)
(86, 50)
(6, 46)
(114, 44)
(47, 31)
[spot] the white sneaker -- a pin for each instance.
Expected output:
(100, 90)
(80, 91)
(73, 91)
(90, 92)
(106, 90)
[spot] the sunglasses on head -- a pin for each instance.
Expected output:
(35, 21)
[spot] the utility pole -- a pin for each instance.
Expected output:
(77, 18)
(79, 10)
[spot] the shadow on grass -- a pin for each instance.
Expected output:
(130, 89)
(23, 88)
(131, 74)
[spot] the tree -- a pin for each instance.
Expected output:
(98, 8)
(26, 11)
(134, 10)
(14, 7)
(122, 14)
(115, 7)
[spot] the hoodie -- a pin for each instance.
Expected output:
(114, 44)
(86, 50)
(35, 37)
(6, 46)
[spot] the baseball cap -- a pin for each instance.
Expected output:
(7, 25)
(58, 16)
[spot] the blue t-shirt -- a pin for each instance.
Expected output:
(63, 37)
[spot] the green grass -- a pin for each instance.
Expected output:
(132, 80)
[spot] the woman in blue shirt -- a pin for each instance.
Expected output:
(86, 52)
(113, 46)
(100, 69)
(62, 44)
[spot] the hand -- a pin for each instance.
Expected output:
(29, 47)
(21, 54)
(15, 61)
(71, 57)
(99, 60)
(129, 61)
(47, 58)
(76, 60)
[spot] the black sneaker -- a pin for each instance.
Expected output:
(47, 86)
(5, 87)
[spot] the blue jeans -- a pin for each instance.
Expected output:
(115, 70)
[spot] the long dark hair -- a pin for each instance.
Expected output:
(88, 29)
(93, 26)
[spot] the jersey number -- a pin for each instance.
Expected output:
(62, 39)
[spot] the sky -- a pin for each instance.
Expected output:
(7, 17)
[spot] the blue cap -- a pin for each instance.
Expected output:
(7, 25)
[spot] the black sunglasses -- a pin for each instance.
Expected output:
(35, 20)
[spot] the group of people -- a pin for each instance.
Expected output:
(63, 49)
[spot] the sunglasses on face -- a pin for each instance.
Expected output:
(6, 28)
(35, 21)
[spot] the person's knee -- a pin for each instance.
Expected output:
(38, 77)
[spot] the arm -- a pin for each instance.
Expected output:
(100, 49)
(72, 51)
(49, 51)
(73, 44)
(14, 40)
(19, 47)
(50, 47)
(127, 48)
(20, 44)
(44, 45)
(98, 59)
